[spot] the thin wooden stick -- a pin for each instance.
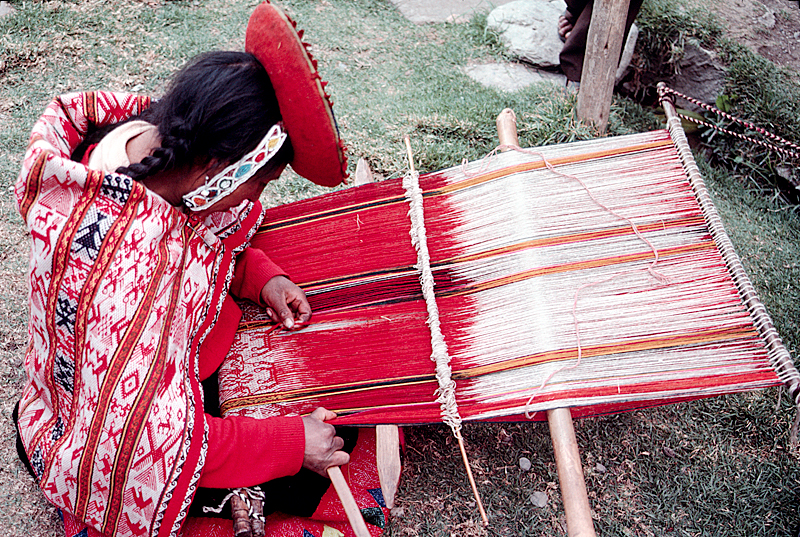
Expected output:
(471, 479)
(349, 503)
(410, 154)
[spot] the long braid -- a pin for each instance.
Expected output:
(175, 149)
(217, 108)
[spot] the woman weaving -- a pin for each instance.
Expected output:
(140, 218)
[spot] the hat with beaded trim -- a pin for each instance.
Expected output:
(305, 106)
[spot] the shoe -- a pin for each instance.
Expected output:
(572, 86)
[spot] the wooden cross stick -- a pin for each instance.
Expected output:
(562, 432)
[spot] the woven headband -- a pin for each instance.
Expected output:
(232, 177)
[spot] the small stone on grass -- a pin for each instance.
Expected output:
(600, 468)
(539, 499)
(524, 463)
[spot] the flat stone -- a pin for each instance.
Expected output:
(539, 499)
(529, 29)
(510, 77)
(6, 9)
(767, 19)
(524, 464)
(425, 11)
(600, 468)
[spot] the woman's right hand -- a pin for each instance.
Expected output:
(323, 447)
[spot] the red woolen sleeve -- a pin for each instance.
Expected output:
(253, 270)
(243, 452)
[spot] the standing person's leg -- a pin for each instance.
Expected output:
(567, 20)
(571, 57)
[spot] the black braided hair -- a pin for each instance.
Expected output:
(218, 107)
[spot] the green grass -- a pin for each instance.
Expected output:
(755, 90)
(718, 467)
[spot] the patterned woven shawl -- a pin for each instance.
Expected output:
(123, 289)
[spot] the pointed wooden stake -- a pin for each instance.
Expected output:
(387, 438)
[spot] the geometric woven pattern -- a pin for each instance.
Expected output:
(123, 289)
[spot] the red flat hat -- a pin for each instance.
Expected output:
(305, 106)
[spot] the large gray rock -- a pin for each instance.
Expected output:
(424, 11)
(528, 28)
(700, 74)
(6, 9)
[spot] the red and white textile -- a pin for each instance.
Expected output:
(123, 290)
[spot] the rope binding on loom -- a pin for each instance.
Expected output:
(788, 149)
(779, 356)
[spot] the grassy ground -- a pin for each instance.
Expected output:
(717, 467)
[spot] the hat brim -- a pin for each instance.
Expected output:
(305, 106)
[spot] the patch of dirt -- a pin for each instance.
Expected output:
(770, 28)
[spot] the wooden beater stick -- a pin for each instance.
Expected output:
(562, 432)
(349, 503)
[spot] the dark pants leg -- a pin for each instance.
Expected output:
(571, 57)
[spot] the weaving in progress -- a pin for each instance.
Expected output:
(593, 275)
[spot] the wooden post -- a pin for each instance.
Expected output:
(570, 474)
(565, 445)
(603, 48)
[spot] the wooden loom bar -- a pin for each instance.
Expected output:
(562, 432)
(570, 473)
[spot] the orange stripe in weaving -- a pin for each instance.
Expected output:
(643, 344)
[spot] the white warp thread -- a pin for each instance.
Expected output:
(446, 393)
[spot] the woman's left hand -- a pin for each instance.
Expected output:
(286, 302)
